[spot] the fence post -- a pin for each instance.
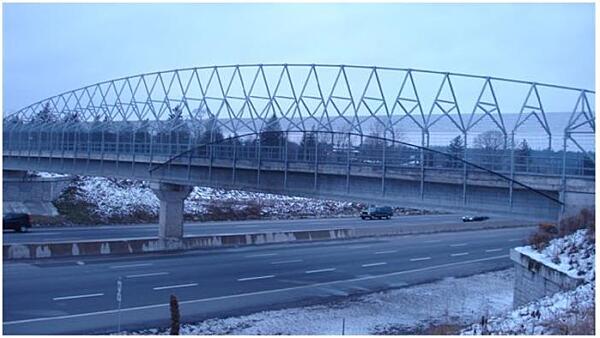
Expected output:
(383, 166)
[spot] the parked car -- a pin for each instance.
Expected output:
(474, 218)
(378, 212)
(16, 221)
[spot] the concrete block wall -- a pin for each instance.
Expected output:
(534, 280)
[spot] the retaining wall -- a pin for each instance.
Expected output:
(534, 280)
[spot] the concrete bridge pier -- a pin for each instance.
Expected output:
(171, 196)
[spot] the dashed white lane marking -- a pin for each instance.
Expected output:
(175, 286)
(493, 250)
(515, 239)
(147, 274)
(385, 252)
(457, 245)
(320, 270)
(247, 294)
(261, 255)
(79, 296)
(288, 261)
(254, 278)
(373, 264)
(359, 246)
(459, 254)
(419, 259)
(433, 241)
(129, 266)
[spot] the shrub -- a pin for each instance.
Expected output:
(540, 239)
(585, 218)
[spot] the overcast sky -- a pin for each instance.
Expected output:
(51, 48)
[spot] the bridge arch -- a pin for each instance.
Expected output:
(511, 127)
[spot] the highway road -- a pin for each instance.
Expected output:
(121, 231)
(78, 295)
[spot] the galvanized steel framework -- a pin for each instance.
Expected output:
(371, 101)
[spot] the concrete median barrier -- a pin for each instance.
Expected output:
(143, 245)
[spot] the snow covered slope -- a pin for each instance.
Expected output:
(570, 312)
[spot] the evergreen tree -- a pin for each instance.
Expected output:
(307, 145)
(45, 115)
(271, 134)
(212, 132)
(522, 156)
(456, 148)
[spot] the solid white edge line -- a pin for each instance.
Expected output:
(419, 259)
(147, 274)
(174, 286)
(79, 296)
(459, 254)
(373, 264)
(319, 270)
(256, 293)
(254, 278)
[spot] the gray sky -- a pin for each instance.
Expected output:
(51, 48)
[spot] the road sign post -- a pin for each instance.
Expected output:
(119, 288)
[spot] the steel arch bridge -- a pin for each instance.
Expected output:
(526, 132)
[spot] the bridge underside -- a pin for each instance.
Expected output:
(441, 189)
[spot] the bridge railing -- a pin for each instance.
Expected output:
(577, 165)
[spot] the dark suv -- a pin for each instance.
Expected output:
(377, 212)
(16, 221)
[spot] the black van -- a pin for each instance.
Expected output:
(377, 212)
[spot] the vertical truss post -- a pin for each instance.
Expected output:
(210, 151)
(512, 172)
(62, 157)
(316, 162)
(285, 159)
(151, 152)
(564, 174)
(102, 145)
(465, 173)
(118, 137)
(383, 165)
(348, 165)
(423, 132)
(75, 142)
(89, 149)
(133, 134)
(258, 163)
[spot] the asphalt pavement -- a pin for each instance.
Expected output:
(123, 231)
(79, 295)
